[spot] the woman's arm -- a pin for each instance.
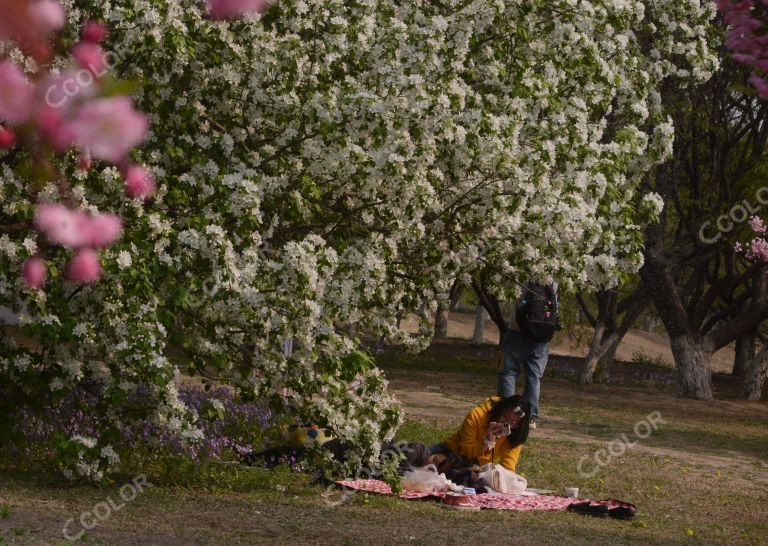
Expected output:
(472, 435)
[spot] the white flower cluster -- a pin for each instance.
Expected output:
(340, 163)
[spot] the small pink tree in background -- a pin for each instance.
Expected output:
(757, 249)
(747, 37)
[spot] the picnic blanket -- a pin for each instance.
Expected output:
(496, 501)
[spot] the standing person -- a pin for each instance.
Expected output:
(525, 344)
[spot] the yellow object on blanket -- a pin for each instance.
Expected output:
(296, 436)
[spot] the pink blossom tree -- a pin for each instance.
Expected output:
(747, 37)
(756, 250)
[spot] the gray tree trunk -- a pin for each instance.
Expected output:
(694, 371)
(754, 379)
(602, 349)
(593, 356)
(610, 355)
(745, 353)
(441, 322)
(481, 316)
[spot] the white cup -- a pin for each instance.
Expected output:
(572, 492)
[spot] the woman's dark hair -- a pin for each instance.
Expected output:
(519, 435)
(416, 454)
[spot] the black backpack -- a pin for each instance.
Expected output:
(538, 316)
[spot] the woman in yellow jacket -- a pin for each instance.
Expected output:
(493, 432)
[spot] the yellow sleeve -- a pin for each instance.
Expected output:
(509, 458)
(472, 435)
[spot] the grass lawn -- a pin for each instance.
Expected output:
(701, 477)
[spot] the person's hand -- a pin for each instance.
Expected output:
(495, 430)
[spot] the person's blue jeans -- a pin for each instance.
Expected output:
(521, 353)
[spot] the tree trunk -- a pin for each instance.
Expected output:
(692, 352)
(593, 356)
(480, 318)
(441, 322)
(694, 372)
(610, 355)
(754, 379)
(457, 291)
(745, 353)
(491, 305)
(602, 351)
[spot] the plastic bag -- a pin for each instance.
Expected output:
(425, 480)
(501, 479)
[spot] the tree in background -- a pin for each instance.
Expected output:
(614, 317)
(443, 308)
(705, 293)
(512, 256)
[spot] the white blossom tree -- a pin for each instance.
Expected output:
(336, 162)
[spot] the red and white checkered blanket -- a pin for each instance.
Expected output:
(485, 500)
(378, 486)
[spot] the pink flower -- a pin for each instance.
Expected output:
(94, 32)
(49, 120)
(16, 94)
(7, 138)
(52, 126)
(109, 128)
(34, 272)
(61, 225)
(30, 23)
(139, 182)
(102, 230)
(756, 223)
(233, 9)
(75, 229)
(84, 267)
(741, 58)
(84, 162)
(63, 91)
(758, 250)
(91, 57)
(760, 85)
(47, 16)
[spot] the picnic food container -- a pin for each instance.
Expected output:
(459, 501)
